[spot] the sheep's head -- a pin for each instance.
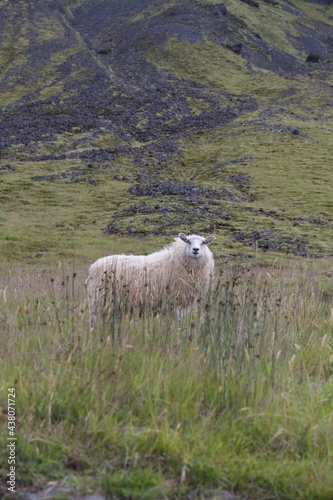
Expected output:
(196, 246)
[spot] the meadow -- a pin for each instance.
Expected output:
(124, 123)
(236, 396)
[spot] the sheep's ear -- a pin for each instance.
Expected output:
(210, 239)
(183, 237)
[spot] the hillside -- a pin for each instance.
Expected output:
(143, 118)
(124, 122)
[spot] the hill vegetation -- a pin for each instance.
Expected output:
(124, 122)
(101, 99)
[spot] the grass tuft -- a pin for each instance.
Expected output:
(235, 395)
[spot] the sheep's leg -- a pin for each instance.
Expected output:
(92, 301)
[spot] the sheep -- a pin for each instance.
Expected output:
(179, 274)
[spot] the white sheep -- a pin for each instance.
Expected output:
(177, 275)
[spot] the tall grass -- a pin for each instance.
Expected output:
(235, 395)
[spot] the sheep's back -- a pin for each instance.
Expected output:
(130, 278)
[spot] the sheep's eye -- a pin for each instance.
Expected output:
(203, 243)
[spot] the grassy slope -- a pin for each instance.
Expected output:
(237, 397)
(301, 102)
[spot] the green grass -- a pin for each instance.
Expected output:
(25, 67)
(235, 396)
(51, 218)
(203, 62)
(151, 11)
(262, 153)
(269, 154)
(74, 214)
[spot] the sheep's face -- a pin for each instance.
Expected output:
(196, 246)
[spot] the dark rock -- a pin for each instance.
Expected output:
(313, 58)
(58, 492)
(105, 51)
(219, 10)
(141, 219)
(7, 168)
(235, 47)
(271, 240)
(50, 493)
(241, 180)
(317, 222)
(252, 3)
